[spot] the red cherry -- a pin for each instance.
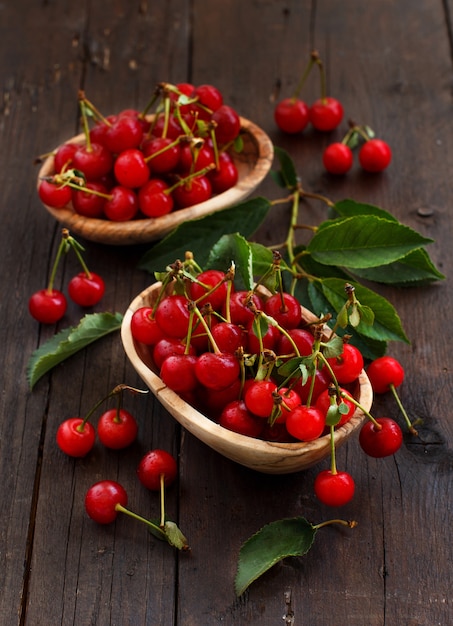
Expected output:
(322, 380)
(217, 370)
(126, 132)
(209, 96)
(196, 191)
(196, 160)
(240, 312)
(290, 401)
(305, 423)
(154, 199)
(375, 155)
(225, 176)
(302, 338)
(47, 306)
(228, 337)
(337, 158)
(131, 169)
(122, 204)
(63, 156)
(385, 372)
(144, 327)
(227, 124)
(291, 115)
(326, 114)
(237, 418)
(101, 500)
(383, 440)
(334, 489)
(323, 404)
(153, 465)
(259, 397)
(348, 365)
(75, 438)
(89, 204)
(285, 309)
(168, 346)
(172, 316)
(117, 429)
(205, 282)
(94, 161)
(55, 196)
(178, 372)
(161, 154)
(86, 290)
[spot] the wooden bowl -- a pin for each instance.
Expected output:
(263, 456)
(253, 163)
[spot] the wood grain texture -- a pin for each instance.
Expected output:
(391, 65)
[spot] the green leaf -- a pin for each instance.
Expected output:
(233, 248)
(271, 544)
(200, 235)
(175, 537)
(363, 241)
(69, 341)
(414, 270)
(287, 173)
(350, 208)
(387, 324)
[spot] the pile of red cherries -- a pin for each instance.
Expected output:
(220, 348)
(133, 165)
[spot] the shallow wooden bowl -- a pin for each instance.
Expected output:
(253, 163)
(263, 456)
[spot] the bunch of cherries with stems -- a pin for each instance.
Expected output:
(135, 165)
(256, 366)
(292, 115)
(85, 289)
(117, 429)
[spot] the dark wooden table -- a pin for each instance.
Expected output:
(391, 65)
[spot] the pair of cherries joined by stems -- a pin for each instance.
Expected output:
(238, 357)
(85, 289)
(292, 115)
(135, 165)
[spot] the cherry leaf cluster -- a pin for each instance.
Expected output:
(68, 341)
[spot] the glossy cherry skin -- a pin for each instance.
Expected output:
(101, 500)
(217, 370)
(55, 196)
(75, 440)
(375, 155)
(117, 429)
(161, 154)
(86, 290)
(178, 372)
(63, 156)
(131, 169)
(285, 309)
(125, 133)
(383, 441)
(144, 327)
(95, 161)
(305, 423)
(237, 418)
(207, 280)
(326, 114)
(240, 312)
(228, 124)
(154, 199)
(225, 176)
(303, 340)
(198, 190)
(259, 398)
(172, 316)
(384, 372)
(154, 464)
(47, 306)
(337, 158)
(89, 204)
(334, 489)
(348, 365)
(323, 404)
(122, 205)
(291, 115)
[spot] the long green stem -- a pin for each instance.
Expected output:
(120, 508)
(403, 411)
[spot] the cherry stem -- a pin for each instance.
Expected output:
(118, 390)
(348, 396)
(322, 74)
(62, 249)
(75, 245)
(304, 76)
(121, 509)
(162, 150)
(333, 462)
(342, 522)
(86, 128)
(189, 178)
(411, 428)
(197, 312)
